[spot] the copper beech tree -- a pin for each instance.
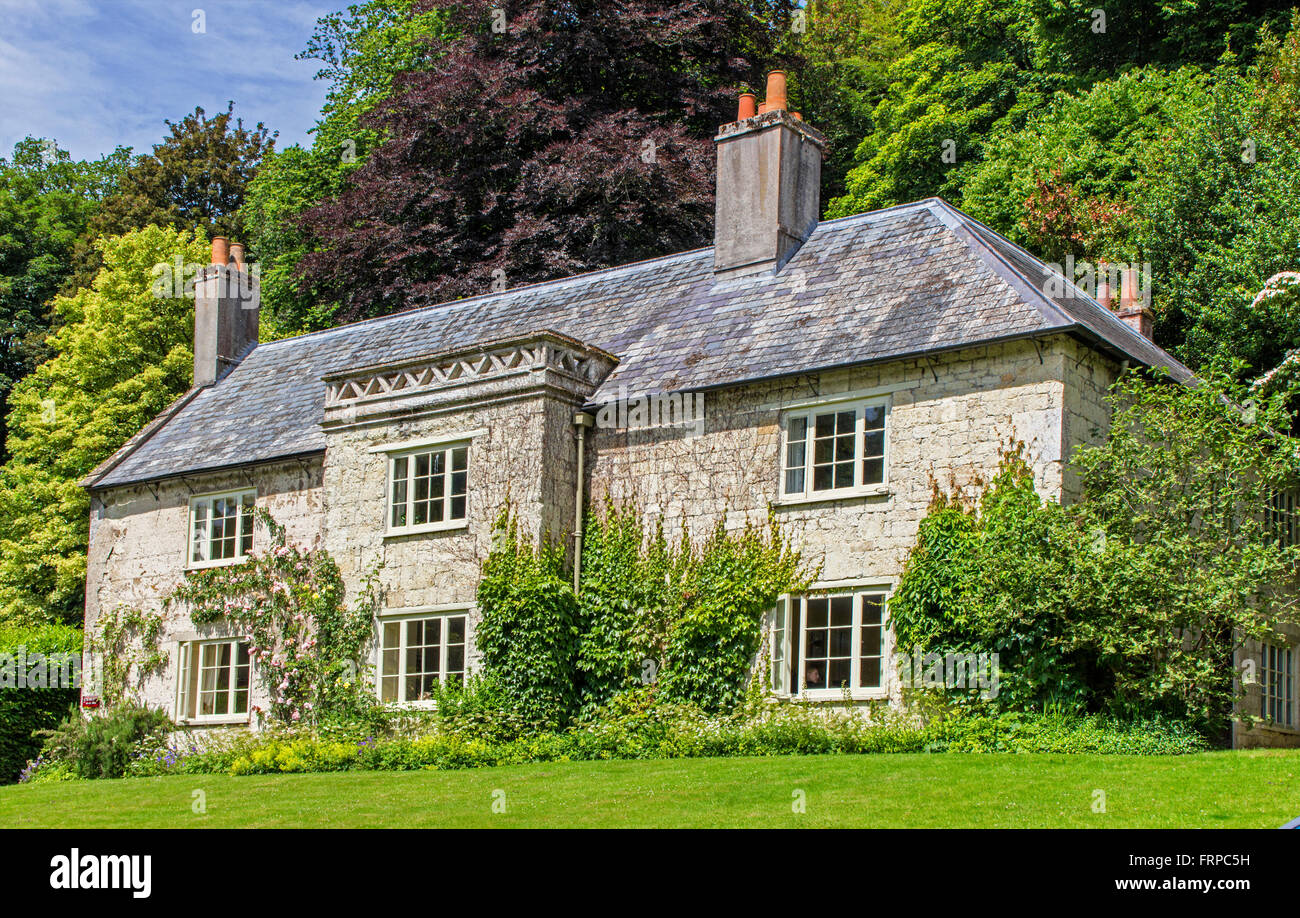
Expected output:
(547, 139)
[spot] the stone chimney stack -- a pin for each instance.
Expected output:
(769, 184)
(226, 301)
(1132, 308)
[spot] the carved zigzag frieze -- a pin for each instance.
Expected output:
(455, 369)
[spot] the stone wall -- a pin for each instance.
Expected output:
(949, 418)
(139, 544)
(525, 454)
(1088, 376)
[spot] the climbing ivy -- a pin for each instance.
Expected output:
(124, 647)
(527, 631)
(682, 617)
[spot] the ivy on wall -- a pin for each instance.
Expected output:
(686, 618)
(124, 648)
(527, 632)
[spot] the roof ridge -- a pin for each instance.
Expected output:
(557, 283)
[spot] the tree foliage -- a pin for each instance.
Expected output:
(1134, 599)
(361, 52)
(847, 49)
(974, 73)
(196, 178)
(46, 200)
(121, 357)
(576, 138)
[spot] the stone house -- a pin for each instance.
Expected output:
(828, 372)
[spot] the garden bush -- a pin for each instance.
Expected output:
(641, 725)
(24, 711)
(1060, 733)
(1133, 600)
(104, 745)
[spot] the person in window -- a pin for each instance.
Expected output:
(813, 677)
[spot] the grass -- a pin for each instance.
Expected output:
(1256, 789)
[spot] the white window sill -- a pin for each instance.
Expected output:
(838, 695)
(1278, 728)
(450, 526)
(410, 705)
(215, 720)
(823, 695)
(222, 562)
(828, 497)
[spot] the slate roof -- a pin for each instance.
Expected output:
(913, 279)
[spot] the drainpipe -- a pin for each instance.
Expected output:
(582, 420)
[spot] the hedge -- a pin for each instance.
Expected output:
(26, 710)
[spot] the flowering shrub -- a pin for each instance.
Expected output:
(640, 725)
(306, 643)
(100, 747)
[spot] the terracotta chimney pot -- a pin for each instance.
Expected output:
(237, 254)
(748, 106)
(1132, 311)
(776, 100)
(220, 251)
(1104, 296)
(1128, 290)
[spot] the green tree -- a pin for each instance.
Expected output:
(977, 71)
(121, 356)
(1134, 599)
(1192, 560)
(1220, 205)
(1070, 36)
(847, 48)
(46, 199)
(195, 179)
(964, 68)
(361, 52)
(1051, 184)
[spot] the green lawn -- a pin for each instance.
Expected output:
(1218, 789)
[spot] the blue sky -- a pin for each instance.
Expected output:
(93, 74)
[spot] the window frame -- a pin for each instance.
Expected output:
(243, 495)
(189, 673)
(782, 638)
(1283, 517)
(808, 414)
(401, 617)
(1277, 664)
(409, 454)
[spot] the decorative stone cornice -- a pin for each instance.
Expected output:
(481, 373)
